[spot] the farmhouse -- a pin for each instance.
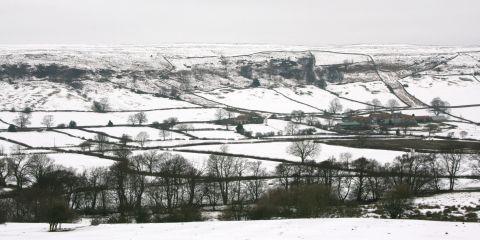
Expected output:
(375, 120)
(248, 118)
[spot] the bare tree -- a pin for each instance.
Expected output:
(22, 120)
(38, 165)
(18, 167)
(142, 137)
(335, 106)
(463, 134)
(132, 119)
(452, 163)
(94, 181)
(86, 145)
(361, 165)
(298, 115)
(152, 161)
(223, 115)
(184, 127)
(285, 171)
(102, 142)
(141, 117)
(304, 149)
(165, 133)
(220, 114)
(392, 104)
(222, 167)
(291, 129)
(47, 121)
(439, 106)
(432, 128)
(343, 183)
(137, 118)
(376, 104)
(257, 186)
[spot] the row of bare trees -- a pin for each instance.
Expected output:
(160, 183)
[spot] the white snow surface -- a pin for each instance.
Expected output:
(95, 119)
(318, 97)
(153, 133)
(457, 90)
(44, 95)
(364, 91)
(79, 162)
(451, 199)
(256, 99)
(42, 139)
(216, 134)
(308, 229)
(279, 150)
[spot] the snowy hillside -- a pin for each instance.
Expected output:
(171, 133)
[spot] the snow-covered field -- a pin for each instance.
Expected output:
(42, 139)
(279, 150)
(79, 162)
(469, 113)
(96, 119)
(256, 99)
(457, 90)
(308, 229)
(317, 97)
(451, 199)
(456, 81)
(217, 134)
(45, 95)
(153, 134)
(6, 147)
(364, 92)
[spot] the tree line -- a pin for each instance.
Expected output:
(154, 186)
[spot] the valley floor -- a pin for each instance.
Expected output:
(330, 228)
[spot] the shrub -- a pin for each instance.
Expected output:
(12, 128)
(72, 124)
(61, 125)
(396, 201)
(57, 214)
(143, 216)
(307, 131)
(110, 123)
(96, 221)
(27, 110)
(101, 106)
(117, 219)
(299, 201)
(471, 217)
(184, 214)
(236, 211)
(155, 124)
(240, 129)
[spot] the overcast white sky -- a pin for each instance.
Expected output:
(298, 22)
